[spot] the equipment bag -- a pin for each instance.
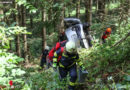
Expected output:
(82, 75)
(56, 47)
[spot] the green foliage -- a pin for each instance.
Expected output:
(35, 44)
(9, 69)
(52, 42)
(113, 5)
(48, 80)
(7, 34)
(28, 6)
(13, 10)
(35, 47)
(105, 58)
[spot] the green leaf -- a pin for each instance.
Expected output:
(127, 78)
(56, 5)
(33, 11)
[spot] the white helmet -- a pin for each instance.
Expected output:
(47, 47)
(70, 47)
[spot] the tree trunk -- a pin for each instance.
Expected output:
(43, 30)
(50, 18)
(101, 9)
(127, 6)
(24, 36)
(31, 21)
(61, 28)
(18, 50)
(96, 6)
(89, 11)
(78, 9)
(1, 13)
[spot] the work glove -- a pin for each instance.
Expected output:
(84, 70)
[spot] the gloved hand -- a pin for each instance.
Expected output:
(84, 70)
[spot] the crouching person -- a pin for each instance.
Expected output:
(106, 34)
(68, 63)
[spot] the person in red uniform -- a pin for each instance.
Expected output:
(106, 34)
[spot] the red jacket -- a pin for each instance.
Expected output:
(105, 35)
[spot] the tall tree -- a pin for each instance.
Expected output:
(31, 21)
(43, 29)
(1, 13)
(101, 9)
(61, 28)
(23, 14)
(78, 9)
(96, 5)
(16, 19)
(88, 11)
(126, 6)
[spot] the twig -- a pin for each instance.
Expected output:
(122, 72)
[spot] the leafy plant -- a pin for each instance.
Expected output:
(9, 69)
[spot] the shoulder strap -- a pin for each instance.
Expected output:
(63, 43)
(62, 49)
(57, 46)
(59, 57)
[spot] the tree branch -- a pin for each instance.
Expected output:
(120, 41)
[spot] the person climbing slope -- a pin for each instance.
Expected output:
(68, 63)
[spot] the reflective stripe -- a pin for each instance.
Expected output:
(74, 57)
(71, 64)
(54, 65)
(60, 65)
(54, 59)
(64, 55)
(78, 60)
(55, 54)
(72, 83)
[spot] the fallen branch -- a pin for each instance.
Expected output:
(120, 41)
(123, 72)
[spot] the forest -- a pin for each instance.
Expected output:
(27, 27)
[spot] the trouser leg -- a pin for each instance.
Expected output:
(49, 64)
(73, 77)
(103, 40)
(43, 61)
(63, 74)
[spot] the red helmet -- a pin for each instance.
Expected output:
(108, 30)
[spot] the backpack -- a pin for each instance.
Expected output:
(56, 47)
